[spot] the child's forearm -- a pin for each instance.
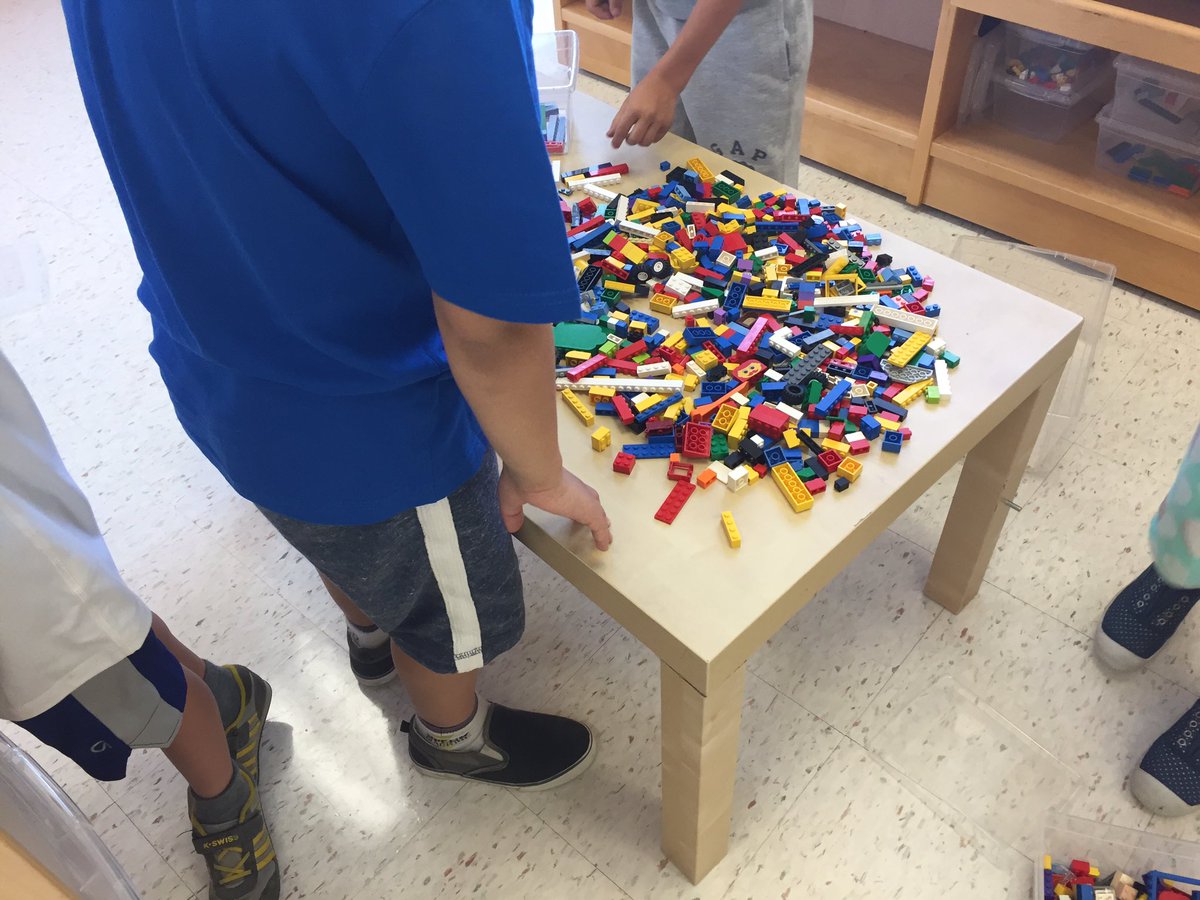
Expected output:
(505, 371)
(704, 26)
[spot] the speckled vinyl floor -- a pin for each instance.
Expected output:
(817, 813)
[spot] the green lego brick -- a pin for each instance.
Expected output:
(576, 336)
(876, 344)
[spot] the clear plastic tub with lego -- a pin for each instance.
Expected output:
(45, 833)
(556, 59)
(1148, 158)
(1053, 63)
(1157, 99)
(1049, 115)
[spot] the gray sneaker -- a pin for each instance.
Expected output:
(240, 855)
(522, 750)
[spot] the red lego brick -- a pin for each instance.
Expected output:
(697, 440)
(587, 207)
(674, 502)
(761, 469)
(635, 349)
(830, 459)
(768, 421)
(623, 463)
(837, 431)
(658, 425)
(624, 366)
(679, 471)
(624, 410)
(816, 486)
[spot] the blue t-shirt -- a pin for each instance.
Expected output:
(296, 178)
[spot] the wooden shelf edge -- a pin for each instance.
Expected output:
(816, 106)
(578, 18)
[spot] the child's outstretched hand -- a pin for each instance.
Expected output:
(569, 497)
(605, 9)
(647, 113)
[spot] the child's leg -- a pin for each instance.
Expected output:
(746, 98)
(654, 30)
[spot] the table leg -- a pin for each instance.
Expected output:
(990, 477)
(699, 764)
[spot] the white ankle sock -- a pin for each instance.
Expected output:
(466, 737)
(369, 637)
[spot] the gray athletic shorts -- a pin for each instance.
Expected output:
(442, 580)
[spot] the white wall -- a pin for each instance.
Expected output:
(911, 21)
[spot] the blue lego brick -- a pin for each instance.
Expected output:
(870, 427)
(665, 165)
(715, 388)
(889, 302)
(605, 408)
(649, 451)
(654, 341)
(697, 335)
(892, 442)
(874, 238)
(815, 339)
(832, 397)
(756, 400)
(651, 322)
(667, 438)
(774, 457)
(812, 426)
(925, 360)
(657, 408)
(772, 390)
(845, 370)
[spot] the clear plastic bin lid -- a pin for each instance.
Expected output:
(1138, 134)
(1166, 77)
(1001, 807)
(1049, 38)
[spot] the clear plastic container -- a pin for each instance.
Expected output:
(556, 59)
(1049, 115)
(1146, 157)
(1052, 62)
(1158, 99)
(43, 822)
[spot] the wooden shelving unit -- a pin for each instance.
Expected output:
(604, 45)
(887, 112)
(1052, 194)
(862, 111)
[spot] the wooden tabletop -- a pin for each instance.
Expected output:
(704, 607)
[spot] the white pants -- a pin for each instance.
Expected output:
(746, 98)
(65, 613)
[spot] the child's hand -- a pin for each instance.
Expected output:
(570, 498)
(646, 115)
(605, 9)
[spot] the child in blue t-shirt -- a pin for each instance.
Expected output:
(301, 187)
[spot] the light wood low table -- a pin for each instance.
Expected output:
(704, 608)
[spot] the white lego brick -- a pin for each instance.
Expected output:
(624, 385)
(780, 343)
(853, 300)
(596, 180)
(697, 308)
(653, 370)
(691, 232)
(941, 377)
(902, 318)
(637, 229)
(767, 252)
(641, 398)
(738, 478)
(582, 254)
(936, 346)
(700, 206)
(690, 279)
(725, 258)
(694, 367)
(720, 470)
(556, 168)
(791, 412)
(604, 195)
(740, 399)
(772, 375)
(622, 208)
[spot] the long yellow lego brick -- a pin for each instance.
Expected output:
(585, 415)
(767, 304)
(792, 488)
(912, 392)
(904, 354)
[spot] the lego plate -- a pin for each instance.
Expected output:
(936, 744)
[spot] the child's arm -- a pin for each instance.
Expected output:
(506, 372)
(648, 111)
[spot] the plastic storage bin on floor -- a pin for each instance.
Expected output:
(1049, 115)
(1147, 158)
(40, 819)
(1053, 63)
(556, 59)
(1157, 99)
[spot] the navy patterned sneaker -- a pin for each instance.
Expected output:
(1168, 781)
(1140, 620)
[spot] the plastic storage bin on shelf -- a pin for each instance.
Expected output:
(556, 59)
(1034, 110)
(1054, 63)
(1156, 98)
(1143, 156)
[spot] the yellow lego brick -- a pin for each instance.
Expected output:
(577, 356)
(696, 164)
(751, 476)
(835, 266)
(831, 444)
(689, 404)
(770, 292)
(722, 330)
(1046, 862)
(812, 275)
(648, 401)
(705, 359)
(725, 419)
(643, 205)
(850, 279)
(729, 227)
(741, 425)
(731, 530)
(888, 425)
(637, 330)
(675, 376)
(792, 488)
(663, 303)
(767, 304)
(671, 413)
(634, 253)
(618, 317)
(676, 340)
(850, 468)
(585, 415)
(660, 240)
(839, 210)
(703, 322)
(599, 392)
(912, 392)
(903, 355)
(614, 284)
(790, 439)
(871, 387)
(690, 382)
(601, 439)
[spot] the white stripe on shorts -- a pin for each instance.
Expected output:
(445, 558)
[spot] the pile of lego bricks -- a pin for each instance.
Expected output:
(799, 348)
(1080, 880)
